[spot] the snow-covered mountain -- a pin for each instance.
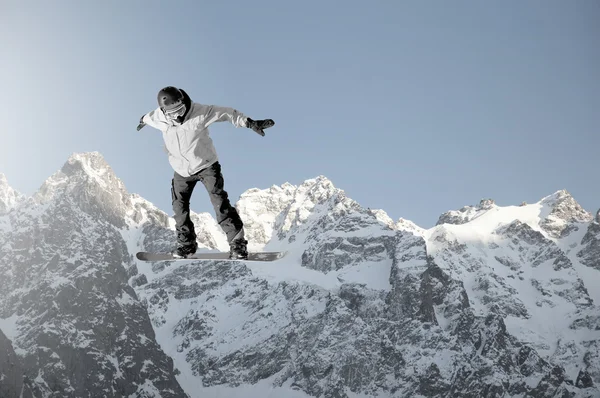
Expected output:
(491, 302)
(8, 196)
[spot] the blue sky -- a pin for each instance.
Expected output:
(415, 107)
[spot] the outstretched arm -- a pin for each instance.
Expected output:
(215, 113)
(238, 119)
(150, 120)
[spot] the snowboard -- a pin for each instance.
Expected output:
(252, 256)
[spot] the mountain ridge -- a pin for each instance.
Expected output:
(98, 172)
(498, 301)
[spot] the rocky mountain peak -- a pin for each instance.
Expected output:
(260, 209)
(318, 189)
(486, 204)
(407, 225)
(282, 207)
(87, 179)
(556, 197)
(8, 196)
(467, 213)
(564, 206)
(91, 166)
(560, 212)
(382, 217)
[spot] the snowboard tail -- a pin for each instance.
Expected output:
(252, 256)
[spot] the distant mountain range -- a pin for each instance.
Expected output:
(491, 302)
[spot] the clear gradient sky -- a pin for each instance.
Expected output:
(414, 107)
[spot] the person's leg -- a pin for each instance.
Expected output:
(181, 193)
(227, 216)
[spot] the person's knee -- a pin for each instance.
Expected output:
(218, 191)
(180, 207)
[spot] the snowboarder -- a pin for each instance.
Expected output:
(184, 126)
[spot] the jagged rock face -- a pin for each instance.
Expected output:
(564, 214)
(421, 337)
(79, 328)
(9, 198)
(144, 212)
(467, 213)
(13, 382)
(320, 216)
(489, 303)
(409, 226)
(90, 183)
(331, 245)
(533, 280)
(382, 217)
(260, 208)
(363, 339)
(532, 247)
(590, 252)
(305, 203)
(240, 329)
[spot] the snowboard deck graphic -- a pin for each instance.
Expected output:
(252, 256)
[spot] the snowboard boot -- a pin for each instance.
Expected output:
(186, 251)
(238, 249)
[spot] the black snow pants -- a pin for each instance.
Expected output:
(181, 193)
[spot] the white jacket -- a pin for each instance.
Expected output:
(189, 145)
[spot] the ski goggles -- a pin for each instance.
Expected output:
(175, 112)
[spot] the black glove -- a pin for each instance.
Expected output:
(259, 125)
(142, 124)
